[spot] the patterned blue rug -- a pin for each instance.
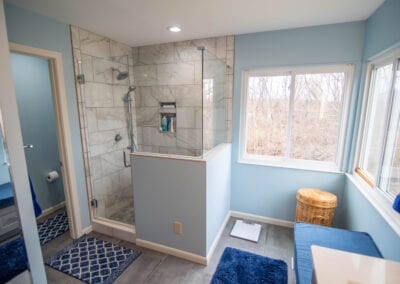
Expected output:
(53, 227)
(92, 260)
(237, 266)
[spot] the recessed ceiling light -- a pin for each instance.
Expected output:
(174, 29)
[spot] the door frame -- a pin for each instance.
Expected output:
(63, 131)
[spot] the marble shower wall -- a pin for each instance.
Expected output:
(103, 115)
(172, 72)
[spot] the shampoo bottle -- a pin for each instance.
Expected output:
(171, 126)
(164, 124)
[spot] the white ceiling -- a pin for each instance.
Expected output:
(143, 22)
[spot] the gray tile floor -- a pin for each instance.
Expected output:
(154, 267)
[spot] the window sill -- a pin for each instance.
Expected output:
(316, 167)
(378, 201)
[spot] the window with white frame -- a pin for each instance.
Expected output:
(379, 155)
(295, 117)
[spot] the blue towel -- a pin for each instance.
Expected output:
(396, 203)
(36, 206)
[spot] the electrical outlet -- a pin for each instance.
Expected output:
(178, 228)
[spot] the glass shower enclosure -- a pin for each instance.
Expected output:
(170, 113)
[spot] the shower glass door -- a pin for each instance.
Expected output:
(102, 85)
(108, 156)
(214, 110)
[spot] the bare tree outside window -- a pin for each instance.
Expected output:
(295, 115)
(267, 115)
(316, 116)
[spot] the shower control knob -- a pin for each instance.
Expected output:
(28, 146)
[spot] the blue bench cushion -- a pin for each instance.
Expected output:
(306, 235)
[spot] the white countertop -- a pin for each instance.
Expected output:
(340, 267)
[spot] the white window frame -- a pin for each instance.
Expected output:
(358, 173)
(336, 166)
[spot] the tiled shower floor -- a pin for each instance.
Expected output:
(125, 215)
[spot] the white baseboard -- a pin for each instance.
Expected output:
(218, 237)
(51, 210)
(205, 260)
(258, 218)
(172, 251)
(87, 230)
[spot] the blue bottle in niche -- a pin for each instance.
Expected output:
(164, 124)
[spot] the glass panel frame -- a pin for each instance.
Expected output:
(214, 130)
(370, 115)
(387, 179)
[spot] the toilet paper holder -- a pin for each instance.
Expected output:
(52, 176)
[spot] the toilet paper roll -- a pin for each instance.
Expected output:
(52, 176)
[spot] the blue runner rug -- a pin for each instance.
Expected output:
(13, 259)
(92, 260)
(237, 266)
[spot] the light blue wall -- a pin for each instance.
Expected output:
(36, 111)
(362, 216)
(382, 29)
(218, 191)
(35, 30)
(271, 191)
(382, 33)
(4, 173)
(168, 190)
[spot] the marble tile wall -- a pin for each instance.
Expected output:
(103, 115)
(172, 72)
(169, 72)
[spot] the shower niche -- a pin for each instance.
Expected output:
(167, 121)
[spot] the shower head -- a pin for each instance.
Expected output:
(120, 75)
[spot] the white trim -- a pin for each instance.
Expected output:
(291, 164)
(114, 229)
(167, 156)
(218, 237)
(386, 58)
(63, 131)
(172, 251)
(364, 108)
(87, 230)
(206, 260)
(51, 210)
(284, 161)
(378, 200)
(16, 155)
(262, 219)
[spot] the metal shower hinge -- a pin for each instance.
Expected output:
(81, 79)
(93, 203)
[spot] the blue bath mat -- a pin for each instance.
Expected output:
(92, 260)
(237, 266)
(53, 227)
(13, 259)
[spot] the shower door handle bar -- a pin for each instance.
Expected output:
(125, 161)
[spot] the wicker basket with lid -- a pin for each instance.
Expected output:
(315, 206)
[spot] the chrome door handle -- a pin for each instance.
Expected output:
(28, 146)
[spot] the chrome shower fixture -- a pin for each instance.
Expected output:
(120, 75)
